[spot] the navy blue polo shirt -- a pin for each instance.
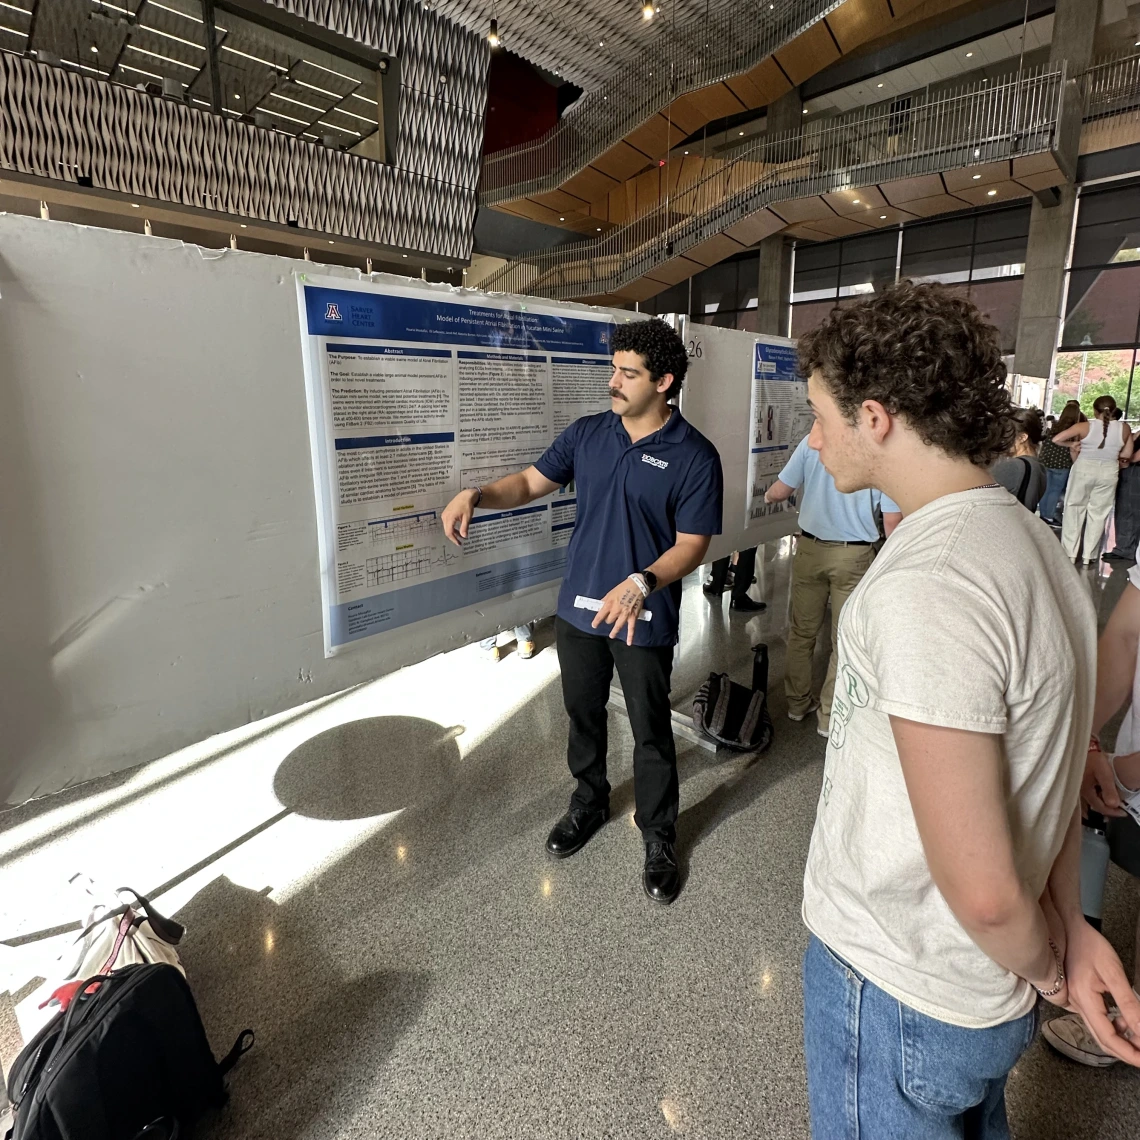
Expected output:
(633, 498)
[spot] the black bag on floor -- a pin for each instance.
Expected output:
(129, 1058)
(732, 715)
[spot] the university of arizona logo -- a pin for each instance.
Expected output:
(332, 312)
(654, 462)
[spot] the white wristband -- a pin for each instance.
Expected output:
(639, 581)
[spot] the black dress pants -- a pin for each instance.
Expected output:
(587, 663)
(1128, 512)
(745, 569)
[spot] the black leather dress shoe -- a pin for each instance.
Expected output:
(572, 832)
(661, 877)
(748, 606)
(711, 591)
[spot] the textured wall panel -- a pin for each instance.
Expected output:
(58, 125)
(375, 23)
(443, 98)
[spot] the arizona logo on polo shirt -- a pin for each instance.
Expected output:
(662, 463)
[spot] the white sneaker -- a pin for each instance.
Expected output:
(797, 717)
(1069, 1035)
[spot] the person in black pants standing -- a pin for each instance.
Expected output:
(649, 492)
(741, 581)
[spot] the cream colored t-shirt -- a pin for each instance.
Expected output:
(972, 618)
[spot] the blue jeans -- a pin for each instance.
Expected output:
(1055, 480)
(879, 1070)
(520, 633)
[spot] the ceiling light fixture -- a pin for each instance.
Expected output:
(243, 226)
(562, 219)
(855, 201)
(882, 217)
(878, 85)
(686, 152)
(742, 134)
(969, 55)
(647, 10)
(976, 177)
(805, 110)
(599, 229)
(493, 35)
(991, 193)
(134, 205)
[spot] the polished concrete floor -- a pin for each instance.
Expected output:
(363, 881)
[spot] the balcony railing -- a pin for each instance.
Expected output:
(984, 125)
(1111, 93)
(59, 125)
(706, 51)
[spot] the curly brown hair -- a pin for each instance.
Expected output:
(925, 354)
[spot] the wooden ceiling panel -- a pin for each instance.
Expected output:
(859, 21)
(855, 202)
(981, 196)
(525, 208)
(561, 201)
(715, 102)
(839, 227)
(620, 162)
(802, 210)
(640, 290)
(909, 189)
(755, 228)
(1036, 164)
(808, 53)
(1042, 181)
(675, 271)
(647, 191)
(589, 184)
(714, 249)
(749, 93)
(935, 204)
(769, 81)
(984, 174)
(685, 116)
(656, 137)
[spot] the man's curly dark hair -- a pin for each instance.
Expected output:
(925, 354)
(659, 346)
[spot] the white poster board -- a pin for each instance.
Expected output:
(413, 397)
(778, 420)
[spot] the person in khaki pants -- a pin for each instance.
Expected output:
(835, 549)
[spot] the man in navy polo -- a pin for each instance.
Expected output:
(649, 490)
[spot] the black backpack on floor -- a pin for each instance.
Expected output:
(732, 715)
(128, 1059)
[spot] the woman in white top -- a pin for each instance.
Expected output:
(1092, 485)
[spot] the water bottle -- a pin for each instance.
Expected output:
(1094, 867)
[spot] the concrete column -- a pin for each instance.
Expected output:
(775, 283)
(1051, 217)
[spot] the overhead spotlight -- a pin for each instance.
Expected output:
(991, 193)
(976, 177)
(562, 219)
(882, 217)
(94, 49)
(686, 152)
(854, 201)
(134, 205)
(742, 134)
(878, 85)
(599, 229)
(969, 55)
(805, 110)
(647, 10)
(493, 35)
(237, 97)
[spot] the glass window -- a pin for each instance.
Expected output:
(1086, 375)
(1103, 307)
(1000, 303)
(868, 263)
(938, 251)
(714, 289)
(1000, 241)
(816, 271)
(1108, 226)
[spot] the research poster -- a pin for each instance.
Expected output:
(780, 419)
(413, 395)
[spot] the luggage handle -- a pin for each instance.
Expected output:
(240, 1047)
(165, 928)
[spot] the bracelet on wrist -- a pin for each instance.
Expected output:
(639, 581)
(1060, 983)
(478, 496)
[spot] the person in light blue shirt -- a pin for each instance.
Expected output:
(834, 551)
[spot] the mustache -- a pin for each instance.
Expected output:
(616, 395)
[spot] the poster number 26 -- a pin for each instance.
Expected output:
(695, 350)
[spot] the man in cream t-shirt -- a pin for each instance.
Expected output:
(941, 885)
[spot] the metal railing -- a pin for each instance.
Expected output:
(1111, 90)
(705, 51)
(960, 129)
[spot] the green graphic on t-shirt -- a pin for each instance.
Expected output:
(854, 686)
